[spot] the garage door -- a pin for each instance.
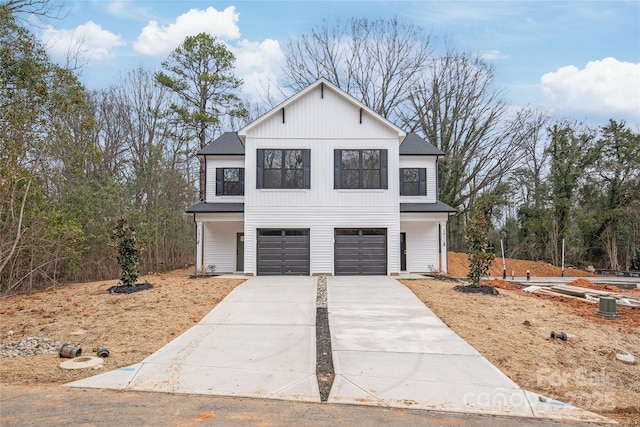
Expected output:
(283, 252)
(361, 251)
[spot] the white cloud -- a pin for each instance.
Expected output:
(492, 55)
(88, 41)
(608, 87)
(160, 40)
(128, 9)
(257, 63)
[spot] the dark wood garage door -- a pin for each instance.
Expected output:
(283, 252)
(360, 251)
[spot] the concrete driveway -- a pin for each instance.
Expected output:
(388, 350)
(257, 342)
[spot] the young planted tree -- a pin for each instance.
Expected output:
(478, 251)
(129, 249)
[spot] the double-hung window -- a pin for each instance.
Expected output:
(360, 169)
(413, 182)
(283, 168)
(230, 181)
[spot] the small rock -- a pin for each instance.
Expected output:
(526, 323)
(78, 332)
(29, 347)
(626, 358)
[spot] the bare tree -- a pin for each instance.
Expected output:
(529, 177)
(47, 8)
(458, 110)
(377, 62)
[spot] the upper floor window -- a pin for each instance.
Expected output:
(413, 182)
(363, 169)
(230, 181)
(283, 168)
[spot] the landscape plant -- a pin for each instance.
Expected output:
(478, 252)
(129, 249)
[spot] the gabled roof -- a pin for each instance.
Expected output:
(327, 85)
(414, 145)
(426, 207)
(226, 144)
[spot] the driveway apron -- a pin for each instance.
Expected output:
(258, 342)
(389, 349)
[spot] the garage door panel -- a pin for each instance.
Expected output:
(360, 251)
(283, 252)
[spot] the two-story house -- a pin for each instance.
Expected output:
(321, 184)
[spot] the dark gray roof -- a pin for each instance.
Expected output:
(203, 207)
(414, 145)
(426, 207)
(226, 144)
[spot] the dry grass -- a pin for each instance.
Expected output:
(513, 330)
(131, 326)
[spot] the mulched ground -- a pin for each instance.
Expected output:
(472, 289)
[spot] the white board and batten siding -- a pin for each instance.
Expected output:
(325, 115)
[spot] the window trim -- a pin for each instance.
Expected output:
(306, 169)
(220, 181)
(422, 182)
(337, 169)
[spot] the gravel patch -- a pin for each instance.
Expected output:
(324, 359)
(29, 347)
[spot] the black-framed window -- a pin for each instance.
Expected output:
(413, 182)
(230, 181)
(362, 169)
(283, 168)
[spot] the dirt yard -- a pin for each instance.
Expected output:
(459, 267)
(130, 326)
(512, 330)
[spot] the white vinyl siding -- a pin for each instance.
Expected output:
(422, 246)
(213, 163)
(220, 245)
(321, 192)
(321, 222)
(428, 162)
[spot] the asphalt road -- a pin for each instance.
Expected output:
(62, 406)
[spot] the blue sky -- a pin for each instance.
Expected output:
(577, 59)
